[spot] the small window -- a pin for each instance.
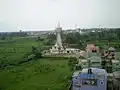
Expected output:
(89, 82)
(68, 52)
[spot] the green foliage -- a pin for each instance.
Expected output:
(39, 39)
(25, 74)
(81, 45)
(45, 68)
(81, 57)
(3, 37)
(51, 36)
(72, 63)
(16, 50)
(48, 42)
(72, 38)
(42, 74)
(36, 52)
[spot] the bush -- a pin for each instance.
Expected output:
(36, 52)
(44, 68)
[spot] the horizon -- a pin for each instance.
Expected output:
(47, 30)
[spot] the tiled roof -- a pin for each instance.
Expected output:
(91, 47)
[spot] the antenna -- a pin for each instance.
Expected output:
(89, 68)
(88, 59)
(89, 63)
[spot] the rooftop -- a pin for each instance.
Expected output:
(95, 71)
(90, 54)
(91, 47)
(117, 75)
(76, 73)
(111, 49)
(95, 59)
(115, 61)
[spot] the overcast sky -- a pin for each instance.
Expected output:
(44, 14)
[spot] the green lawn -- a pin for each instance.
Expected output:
(43, 74)
(36, 75)
(14, 50)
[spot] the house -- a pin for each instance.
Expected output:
(95, 61)
(116, 80)
(115, 65)
(89, 79)
(92, 48)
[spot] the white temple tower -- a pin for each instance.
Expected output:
(58, 48)
(58, 37)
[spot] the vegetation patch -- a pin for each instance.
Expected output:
(43, 73)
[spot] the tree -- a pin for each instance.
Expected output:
(51, 36)
(3, 37)
(48, 42)
(39, 39)
(80, 45)
(36, 52)
(33, 49)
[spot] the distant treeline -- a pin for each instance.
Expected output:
(99, 37)
(108, 35)
(12, 34)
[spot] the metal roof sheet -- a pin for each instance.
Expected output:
(95, 71)
(116, 74)
(76, 73)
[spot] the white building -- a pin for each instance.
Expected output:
(58, 47)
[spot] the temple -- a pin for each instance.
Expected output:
(58, 47)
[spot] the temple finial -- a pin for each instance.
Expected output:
(58, 24)
(75, 25)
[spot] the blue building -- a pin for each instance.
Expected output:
(89, 79)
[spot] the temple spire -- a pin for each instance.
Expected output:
(75, 26)
(58, 36)
(58, 25)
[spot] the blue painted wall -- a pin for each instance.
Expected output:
(100, 85)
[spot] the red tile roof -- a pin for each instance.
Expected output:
(91, 47)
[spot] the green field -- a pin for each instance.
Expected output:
(14, 50)
(41, 74)
(36, 75)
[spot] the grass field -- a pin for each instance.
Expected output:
(14, 50)
(41, 74)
